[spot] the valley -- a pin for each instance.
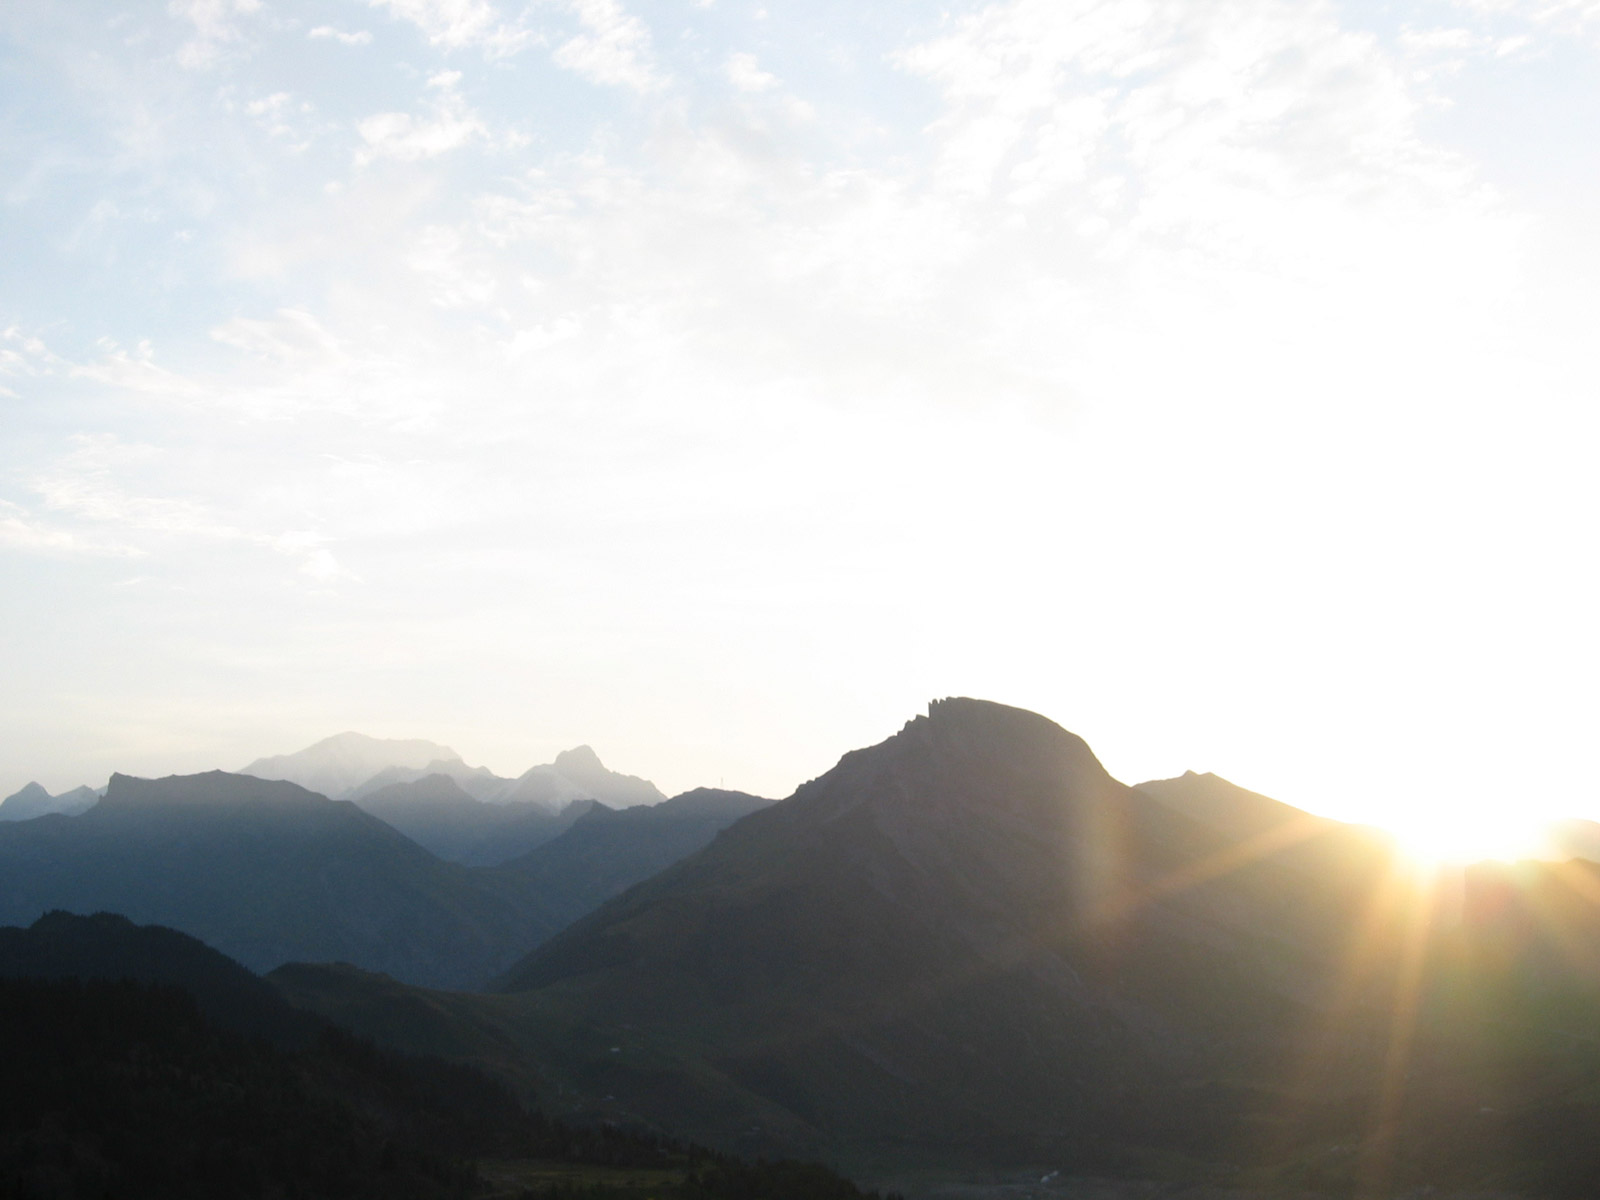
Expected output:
(963, 959)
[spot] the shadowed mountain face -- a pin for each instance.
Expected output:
(137, 1061)
(33, 801)
(964, 947)
(268, 872)
(967, 935)
(61, 945)
(969, 946)
(605, 852)
(437, 814)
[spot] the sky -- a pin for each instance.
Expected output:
(717, 383)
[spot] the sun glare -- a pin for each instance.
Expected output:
(1451, 837)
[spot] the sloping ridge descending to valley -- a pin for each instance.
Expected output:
(269, 872)
(969, 948)
(137, 1061)
(439, 815)
(605, 851)
(957, 938)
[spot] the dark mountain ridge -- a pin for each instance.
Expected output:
(269, 872)
(968, 935)
(136, 1061)
(968, 947)
(61, 945)
(606, 851)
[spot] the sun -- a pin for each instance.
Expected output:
(1448, 835)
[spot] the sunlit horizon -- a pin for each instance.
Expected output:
(716, 384)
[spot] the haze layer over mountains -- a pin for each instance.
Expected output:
(965, 948)
(410, 873)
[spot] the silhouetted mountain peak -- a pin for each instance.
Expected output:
(992, 761)
(33, 801)
(30, 792)
(207, 789)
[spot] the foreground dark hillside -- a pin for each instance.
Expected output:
(968, 946)
(121, 1087)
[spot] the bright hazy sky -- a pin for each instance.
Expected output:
(715, 383)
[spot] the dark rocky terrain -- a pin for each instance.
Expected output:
(968, 947)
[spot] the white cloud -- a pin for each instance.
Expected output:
(746, 74)
(283, 118)
(215, 26)
(450, 125)
(614, 48)
(359, 37)
(461, 23)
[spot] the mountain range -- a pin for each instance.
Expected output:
(349, 766)
(969, 947)
(963, 950)
(136, 1061)
(270, 872)
(33, 801)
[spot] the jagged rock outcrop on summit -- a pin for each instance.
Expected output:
(969, 934)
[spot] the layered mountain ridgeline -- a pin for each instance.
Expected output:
(605, 851)
(271, 873)
(191, 1077)
(350, 766)
(436, 812)
(33, 801)
(969, 946)
(438, 815)
(340, 763)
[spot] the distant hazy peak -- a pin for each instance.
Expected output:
(33, 801)
(28, 793)
(582, 766)
(344, 761)
(579, 759)
(354, 744)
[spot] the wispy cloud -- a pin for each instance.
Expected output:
(461, 23)
(448, 124)
(614, 47)
(358, 37)
(284, 118)
(745, 73)
(216, 26)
